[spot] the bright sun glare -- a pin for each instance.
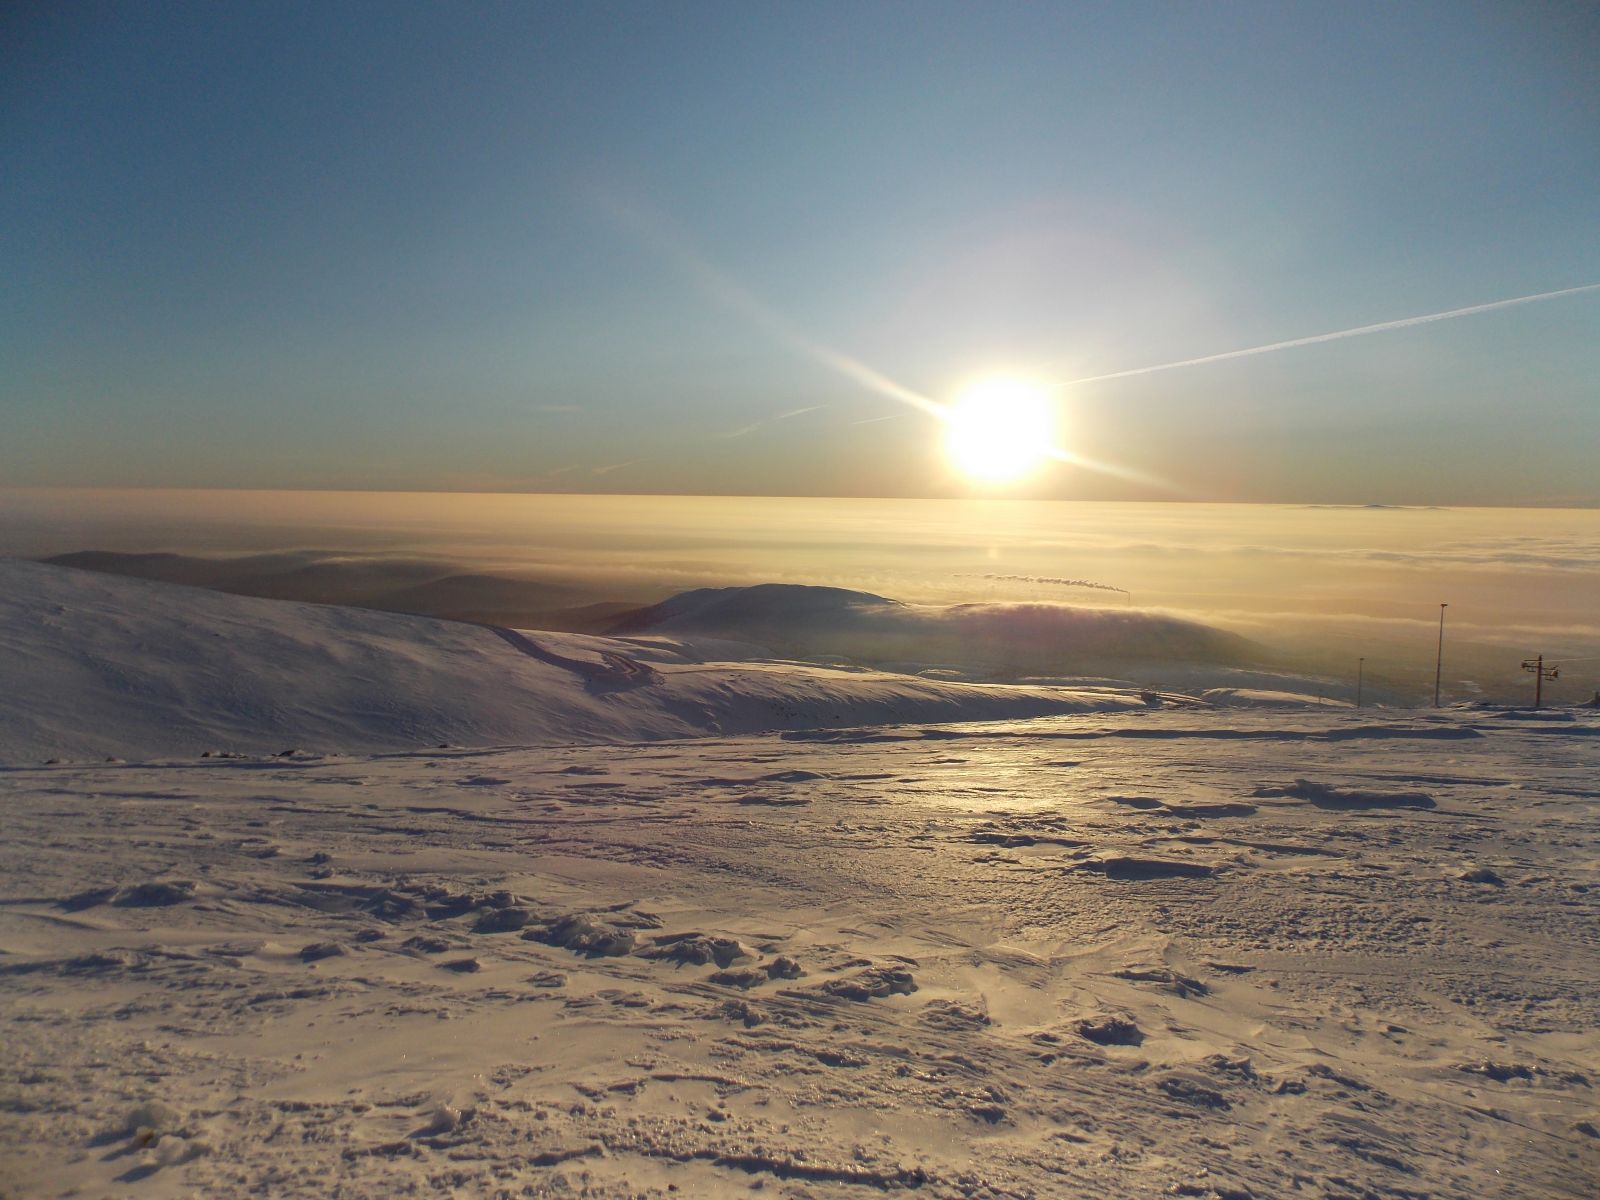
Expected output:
(1000, 429)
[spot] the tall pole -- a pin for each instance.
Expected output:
(1540, 674)
(1361, 666)
(1438, 663)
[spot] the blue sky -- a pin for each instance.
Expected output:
(547, 247)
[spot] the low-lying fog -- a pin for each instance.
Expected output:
(1316, 587)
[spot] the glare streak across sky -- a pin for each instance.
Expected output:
(1359, 331)
(729, 292)
(726, 290)
(576, 240)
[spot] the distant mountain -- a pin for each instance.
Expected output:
(729, 611)
(417, 586)
(98, 665)
(1008, 639)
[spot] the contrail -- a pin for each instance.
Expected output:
(746, 430)
(1381, 327)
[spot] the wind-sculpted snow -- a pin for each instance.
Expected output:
(99, 665)
(947, 962)
(1326, 796)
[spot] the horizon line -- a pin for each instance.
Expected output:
(1376, 505)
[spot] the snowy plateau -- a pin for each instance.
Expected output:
(301, 900)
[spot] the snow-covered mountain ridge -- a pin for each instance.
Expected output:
(99, 665)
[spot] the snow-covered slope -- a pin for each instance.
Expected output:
(99, 665)
(1180, 953)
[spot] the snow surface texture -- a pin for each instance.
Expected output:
(99, 665)
(1078, 956)
(1153, 951)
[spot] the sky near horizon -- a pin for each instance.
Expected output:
(703, 248)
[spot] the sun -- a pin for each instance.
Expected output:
(1000, 430)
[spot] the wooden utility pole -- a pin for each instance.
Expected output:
(1361, 667)
(1540, 674)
